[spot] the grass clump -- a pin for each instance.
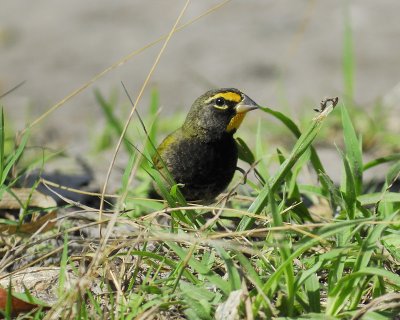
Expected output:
(261, 252)
(279, 262)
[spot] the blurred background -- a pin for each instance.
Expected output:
(284, 54)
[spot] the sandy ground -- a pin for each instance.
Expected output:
(285, 54)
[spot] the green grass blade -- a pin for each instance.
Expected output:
(353, 150)
(318, 261)
(153, 111)
(314, 158)
(381, 160)
(369, 244)
(234, 278)
(303, 245)
(302, 144)
(350, 195)
(339, 295)
(63, 266)
(392, 174)
(312, 289)
(250, 272)
(285, 120)
(198, 301)
(333, 306)
(169, 262)
(127, 171)
(284, 249)
(150, 146)
(373, 198)
(14, 157)
(293, 193)
(205, 271)
(112, 120)
(108, 110)
(173, 196)
(336, 196)
(245, 154)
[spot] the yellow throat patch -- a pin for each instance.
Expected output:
(235, 122)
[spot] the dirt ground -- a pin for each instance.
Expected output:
(284, 54)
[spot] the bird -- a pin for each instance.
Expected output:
(201, 156)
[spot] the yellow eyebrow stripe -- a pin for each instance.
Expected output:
(228, 96)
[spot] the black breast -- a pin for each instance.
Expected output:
(205, 168)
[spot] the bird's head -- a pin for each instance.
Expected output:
(217, 112)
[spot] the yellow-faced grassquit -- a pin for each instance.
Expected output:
(202, 154)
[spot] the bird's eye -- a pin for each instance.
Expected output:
(220, 102)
